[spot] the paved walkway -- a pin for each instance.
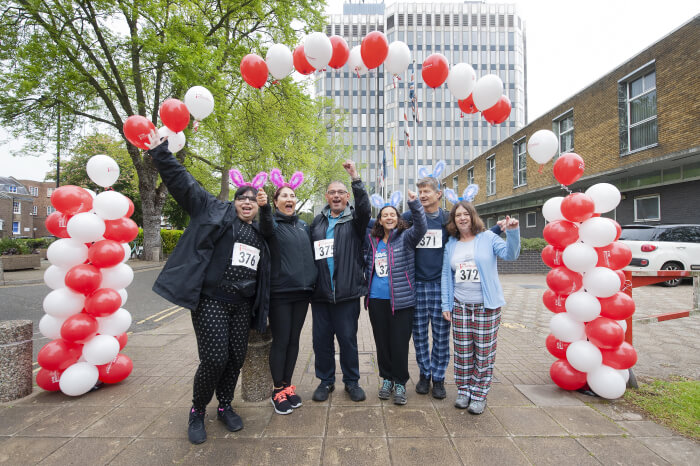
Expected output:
(528, 420)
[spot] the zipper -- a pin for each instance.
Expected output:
(389, 264)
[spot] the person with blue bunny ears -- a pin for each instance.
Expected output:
(390, 271)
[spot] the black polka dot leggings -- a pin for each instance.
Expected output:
(222, 341)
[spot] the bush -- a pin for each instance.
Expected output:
(168, 238)
(11, 246)
(532, 244)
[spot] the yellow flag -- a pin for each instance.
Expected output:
(391, 148)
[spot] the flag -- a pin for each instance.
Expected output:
(408, 136)
(392, 149)
(384, 165)
(413, 98)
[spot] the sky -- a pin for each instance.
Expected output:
(570, 45)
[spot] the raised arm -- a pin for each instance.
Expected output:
(420, 225)
(509, 249)
(268, 225)
(363, 209)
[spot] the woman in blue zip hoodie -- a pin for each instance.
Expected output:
(390, 270)
(471, 297)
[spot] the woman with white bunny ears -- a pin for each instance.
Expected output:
(390, 270)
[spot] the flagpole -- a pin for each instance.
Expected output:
(415, 133)
(405, 151)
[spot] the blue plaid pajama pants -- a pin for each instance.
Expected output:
(428, 313)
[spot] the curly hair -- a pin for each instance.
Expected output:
(378, 230)
(477, 223)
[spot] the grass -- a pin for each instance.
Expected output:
(674, 403)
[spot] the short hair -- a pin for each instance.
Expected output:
(378, 230)
(429, 182)
(244, 189)
(477, 223)
(279, 190)
(338, 182)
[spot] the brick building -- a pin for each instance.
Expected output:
(16, 209)
(637, 127)
(41, 192)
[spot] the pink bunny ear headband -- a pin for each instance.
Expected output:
(238, 181)
(294, 182)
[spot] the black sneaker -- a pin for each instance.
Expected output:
(423, 385)
(195, 428)
(231, 420)
(292, 397)
(280, 402)
(386, 389)
(322, 391)
(356, 392)
(399, 394)
(439, 389)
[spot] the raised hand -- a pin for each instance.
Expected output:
(154, 140)
(261, 198)
(349, 167)
(411, 195)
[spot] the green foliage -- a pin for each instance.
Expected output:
(169, 239)
(532, 244)
(11, 246)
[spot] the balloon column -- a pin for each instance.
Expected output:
(588, 326)
(85, 317)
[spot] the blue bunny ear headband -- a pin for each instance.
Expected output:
(378, 202)
(439, 167)
(468, 195)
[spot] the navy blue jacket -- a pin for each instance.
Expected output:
(429, 260)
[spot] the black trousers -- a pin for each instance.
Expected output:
(286, 321)
(222, 341)
(339, 320)
(392, 334)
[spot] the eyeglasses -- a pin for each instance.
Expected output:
(339, 193)
(246, 198)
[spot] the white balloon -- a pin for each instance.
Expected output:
(606, 382)
(50, 326)
(487, 90)
(67, 252)
(398, 59)
(623, 324)
(584, 356)
(92, 193)
(115, 323)
(124, 295)
(597, 232)
(567, 329)
(102, 170)
(355, 63)
(78, 379)
(579, 257)
(601, 282)
(86, 227)
(279, 60)
(110, 205)
(582, 306)
(551, 210)
(100, 349)
(117, 277)
(127, 252)
(605, 196)
(55, 277)
(542, 146)
(176, 141)
(318, 50)
(63, 302)
(461, 80)
(625, 374)
(199, 101)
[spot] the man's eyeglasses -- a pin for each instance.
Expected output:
(246, 198)
(339, 193)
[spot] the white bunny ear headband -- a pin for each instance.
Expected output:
(294, 182)
(468, 195)
(439, 167)
(238, 181)
(378, 201)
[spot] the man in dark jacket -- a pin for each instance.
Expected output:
(337, 234)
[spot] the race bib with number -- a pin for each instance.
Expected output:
(323, 249)
(245, 256)
(432, 239)
(381, 266)
(467, 272)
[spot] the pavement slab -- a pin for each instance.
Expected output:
(459, 423)
(307, 422)
(420, 451)
(491, 450)
(25, 450)
(555, 451)
(355, 451)
(676, 450)
(67, 421)
(621, 451)
(348, 421)
(548, 395)
(582, 420)
(527, 421)
(122, 422)
(80, 451)
(402, 421)
(645, 429)
(13, 419)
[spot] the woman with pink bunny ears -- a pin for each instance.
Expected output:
(293, 276)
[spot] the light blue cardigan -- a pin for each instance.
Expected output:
(487, 247)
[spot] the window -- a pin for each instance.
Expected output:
(16, 207)
(531, 219)
(34, 191)
(470, 176)
(455, 183)
(2, 224)
(647, 208)
(491, 175)
(34, 210)
(12, 189)
(49, 192)
(637, 112)
(490, 222)
(520, 163)
(15, 228)
(563, 127)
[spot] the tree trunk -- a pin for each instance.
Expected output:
(152, 200)
(224, 193)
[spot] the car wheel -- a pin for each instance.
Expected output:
(672, 266)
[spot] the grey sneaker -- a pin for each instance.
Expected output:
(462, 401)
(399, 394)
(477, 407)
(386, 389)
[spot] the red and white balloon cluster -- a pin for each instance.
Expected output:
(588, 328)
(88, 276)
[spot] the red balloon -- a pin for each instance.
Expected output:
(568, 168)
(605, 333)
(71, 200)
(623, 279)
(617, 227)
(122, 230)
(552, 256)
(254, 70)
(174, 114)
(374, 49)
(556, 347)
(622, 357)
(59, 354)
(79, 328)
(103, 302)
(499, 112)
(560, 233)
(83, 278)
(48, 380)
(577, 207)
(57, 224)
(619, 306)
(435, 70)
(106, 253)
(130, 212)
(614, 256)
(564, 281)
(565, 376)
(467, 105)
(123, 339)
(301, 64)
(341, 52)
(137, 130)
(554, 302)
(117, 370)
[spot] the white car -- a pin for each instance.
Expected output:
(663, 247)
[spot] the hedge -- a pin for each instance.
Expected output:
(12, 246)
(168, 238)
(532, 244)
